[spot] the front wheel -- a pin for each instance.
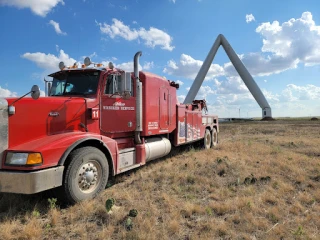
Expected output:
(86, 175)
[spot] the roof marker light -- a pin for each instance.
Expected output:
(75, 65)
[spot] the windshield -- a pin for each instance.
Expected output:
(74, 83)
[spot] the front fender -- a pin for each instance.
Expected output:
(55, 148)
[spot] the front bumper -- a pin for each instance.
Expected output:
(31, 182)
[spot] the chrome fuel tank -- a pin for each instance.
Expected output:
(157, 147)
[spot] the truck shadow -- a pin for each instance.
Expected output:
(18, 205)
(13, 205)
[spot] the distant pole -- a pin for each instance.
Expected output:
(239, 112)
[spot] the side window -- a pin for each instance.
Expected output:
(109, 85)
(113, 84)
(118, 84)
(57, 88)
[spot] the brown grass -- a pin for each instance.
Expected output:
(261, 182)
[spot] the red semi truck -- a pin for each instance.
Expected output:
(96, 122)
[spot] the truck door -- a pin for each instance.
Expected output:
(117, 113)
(164, 108)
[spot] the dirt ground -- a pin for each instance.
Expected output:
(261, 182)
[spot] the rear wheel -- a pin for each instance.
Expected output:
(86, 175)
(207, 139)
(214, 137)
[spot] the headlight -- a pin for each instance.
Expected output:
(23, 158)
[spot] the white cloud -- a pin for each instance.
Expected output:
(204, 92)
(92, 55)
(49, 61)
(237, 99)
(231, 85)
(148, 65)
(271, 98)
(181, 98)
(56, 27)
(291, 94)
(174, 1)
(284, 47)
(7, 93)
(294, 40)
(151, 38)
(299, 93)
(39, 7)
(188, 67)
(124, 7)
(249, 18)
(127, 66)
(179, 82)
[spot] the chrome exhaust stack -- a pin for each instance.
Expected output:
(138, 98)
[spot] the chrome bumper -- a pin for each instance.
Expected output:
(31, 182)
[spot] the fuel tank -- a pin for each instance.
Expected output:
(45, 116)
(157, 147)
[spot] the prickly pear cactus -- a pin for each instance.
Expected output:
(128, 223)
(133, 213)
(109, 204)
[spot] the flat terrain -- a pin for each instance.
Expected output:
(261, 182)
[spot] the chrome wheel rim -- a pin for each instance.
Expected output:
(89, 176)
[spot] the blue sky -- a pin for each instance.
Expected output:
(278, 41)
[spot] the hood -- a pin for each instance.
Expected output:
(45, 116)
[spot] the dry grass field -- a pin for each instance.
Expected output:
(261, 182)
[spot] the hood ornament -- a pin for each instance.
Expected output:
(53, 114)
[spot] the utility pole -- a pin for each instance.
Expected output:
(239, 112)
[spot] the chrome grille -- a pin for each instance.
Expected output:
(3, 127)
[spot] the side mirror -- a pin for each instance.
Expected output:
(126, 84)
(35, 92)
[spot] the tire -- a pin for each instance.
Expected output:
(86, 175)
(214, 137)
(207, 139)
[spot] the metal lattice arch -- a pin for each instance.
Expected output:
(241, 69)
